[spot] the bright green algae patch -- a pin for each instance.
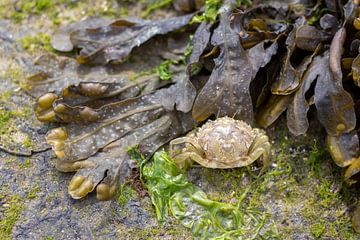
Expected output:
(210, 13)
(171, 192)
(10, 216)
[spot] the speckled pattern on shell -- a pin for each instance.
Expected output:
(225, 139)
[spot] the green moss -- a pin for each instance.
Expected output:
(10, 215)
(36, 42)
(25, 165)
(189, 47)
(31, 194)
(326, 195)
(10, 134)
(317, 156)
(123, 11)
(171, 232)
(151, 6)
(317, 229)
(126, 194)
(5, 118)
(16, 75)
(5, 96)
(23, 9)
(49, 238)
(28, 143)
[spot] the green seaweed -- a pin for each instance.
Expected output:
(163, 70)
(210, 13)
(171, 192)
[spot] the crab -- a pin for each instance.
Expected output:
(223, 143)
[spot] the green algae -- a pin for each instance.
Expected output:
(210, 13)
(126, 193)
(22, 9)
(15, 73)
(10, 215)
(32, 193)
(25, 165)
(151, 6)
(5, 118)
(33, 43)
(10, 133)
(171, 192)
(163, 70)
(161, 232)
(5, 96)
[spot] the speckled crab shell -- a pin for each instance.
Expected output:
(225, 139)
(223, 143)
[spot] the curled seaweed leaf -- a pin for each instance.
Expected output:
(257, 24)
(274, 107)
(109, 122)
(115, 41)
(179, 96)
(288, 80)
(309, 37)
(344, 148)
(200, 41)
(355, 67)
(297, 121)
(335, 106)
(227, 90)
(259, 56)
(61, 39)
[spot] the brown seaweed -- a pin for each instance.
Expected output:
(110, 167)
(114, 41)
(227, 90)
(288, 79)
(335, 106)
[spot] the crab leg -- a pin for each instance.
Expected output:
(261, 147)
(182, 140)
(185, 159)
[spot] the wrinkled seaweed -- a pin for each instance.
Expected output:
(115, 41)
(226, 93)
